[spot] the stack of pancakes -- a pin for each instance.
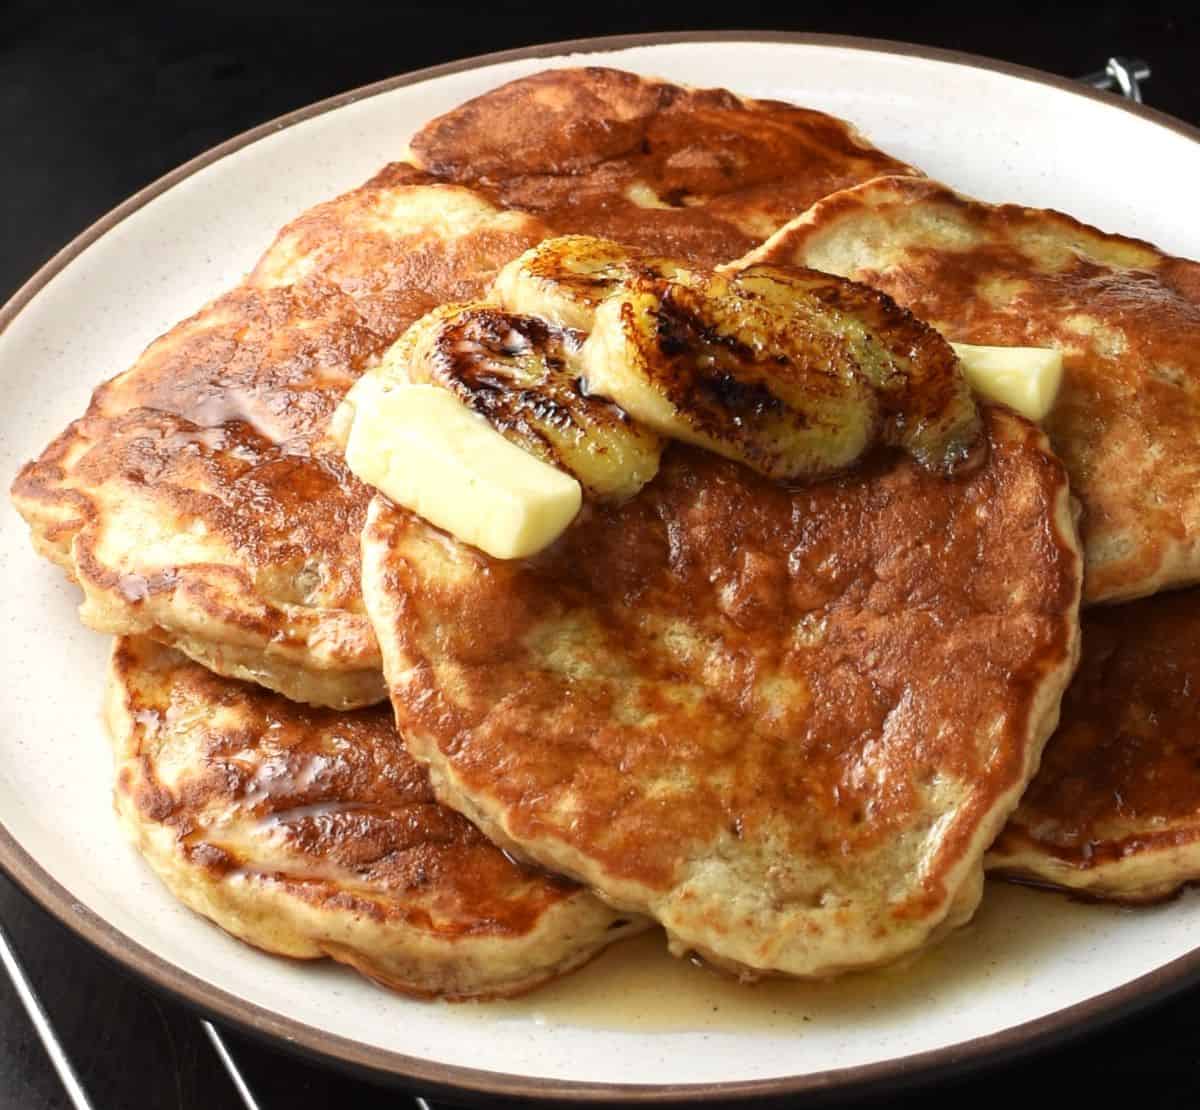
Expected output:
(785, 723)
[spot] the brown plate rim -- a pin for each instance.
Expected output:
(473, 1083)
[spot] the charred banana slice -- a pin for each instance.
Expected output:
(926, 397)
(792, 372)
(563, 280)
(519, 373)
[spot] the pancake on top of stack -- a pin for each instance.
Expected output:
(784, 721)
(1125, 315)
(197, 501)
(311, 833)
(1114, 811)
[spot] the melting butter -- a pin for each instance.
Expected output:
(1024, 378)
(423, 448)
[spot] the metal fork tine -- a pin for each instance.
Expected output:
(41, 1023)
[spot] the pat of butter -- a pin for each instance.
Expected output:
(424, 449)
(1025, 378)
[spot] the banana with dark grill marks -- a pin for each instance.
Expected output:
(519, 372)
(792, 372)
(563, 280)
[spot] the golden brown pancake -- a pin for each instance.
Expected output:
(697, 174)
(311, 833)
(784, 722)
(1125, 315)
(1114, 811)
(196, 501)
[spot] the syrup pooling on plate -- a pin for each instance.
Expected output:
(637, 987)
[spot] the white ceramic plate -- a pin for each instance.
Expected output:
(1033, 966)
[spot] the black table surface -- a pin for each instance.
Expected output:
(94, 105)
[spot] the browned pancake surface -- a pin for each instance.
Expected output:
(195, 500)
(784, 722)
(1125, 315)
(698, 174)
(1115, 808)
(312, 832)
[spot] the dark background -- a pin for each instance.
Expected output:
(94, 104)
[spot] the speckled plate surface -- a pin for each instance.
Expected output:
(634, 1025)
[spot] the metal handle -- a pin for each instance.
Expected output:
(1124, 75)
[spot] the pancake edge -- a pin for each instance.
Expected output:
(963, 881)
(1170, 562)
(261, 912)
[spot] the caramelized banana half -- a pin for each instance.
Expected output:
(927, 403)
(792, 372)
(518, 371)
(565, 280)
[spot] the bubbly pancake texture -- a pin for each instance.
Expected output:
(784, 722)
(1114, 811)
(197, 502)
(697, 174)
(311, 833)
(1125, 315)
